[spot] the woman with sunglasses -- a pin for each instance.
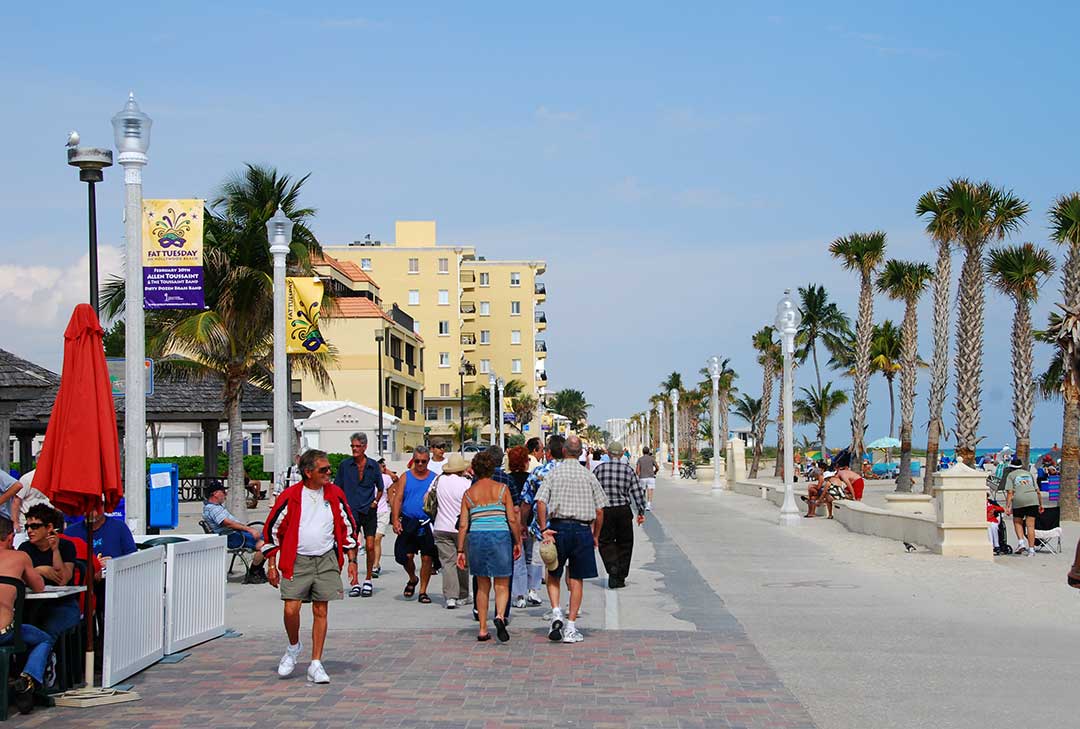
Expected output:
(54, 559)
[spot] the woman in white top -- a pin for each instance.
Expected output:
(450, 487)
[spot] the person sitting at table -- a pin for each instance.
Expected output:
(54, 559)
(14, 563)
(221, 521)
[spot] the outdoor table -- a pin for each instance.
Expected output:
(54, 592)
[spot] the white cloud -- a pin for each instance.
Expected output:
(551, 115)
(39, 299)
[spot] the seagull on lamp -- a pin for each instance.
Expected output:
(73, 139)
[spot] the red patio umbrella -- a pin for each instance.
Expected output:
(80, 460)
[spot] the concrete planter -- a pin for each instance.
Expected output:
(911, 504)
(705, 474)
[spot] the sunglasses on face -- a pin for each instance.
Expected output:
(324, 469)
(421, 461)
(35, 525)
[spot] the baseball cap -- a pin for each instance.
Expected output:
(549, 555)
(615, 448)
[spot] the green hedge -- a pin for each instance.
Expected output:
(191, 466)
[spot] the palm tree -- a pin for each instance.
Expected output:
(524, 409)
(771, 360)
(933, 206)
(978, 212)
(655, 401)
(748, 408)
(905, 281)
(885, 357)
(725, 393)
(817, 406)
(822, 321)
(479, 400)
(232, 338)
(1065, 229)
(1017, 271)
(862, 252)
(570, 404)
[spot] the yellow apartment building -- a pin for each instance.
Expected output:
(351, 325)
(466, 309)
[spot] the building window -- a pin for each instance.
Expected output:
(365, 264)
(444, 390)
(515, 366)
(485, 366)
(485, 308)
(485, 336)
(414, 297)
(416, 326)
(444, 359)
(448, 414)
(444, 297)
(515, 308)
(515, 336)
(414, 265)
(515, 278)
(444, 328)
(431, 413)
(256, 444)
(485, 279)
(444, 265)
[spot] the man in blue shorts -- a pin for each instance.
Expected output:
(221, 521)
(571, 502)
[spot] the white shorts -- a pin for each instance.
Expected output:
(382, 522)
(648, 483)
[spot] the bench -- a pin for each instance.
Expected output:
(242, 553)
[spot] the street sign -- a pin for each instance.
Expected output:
(115, 366)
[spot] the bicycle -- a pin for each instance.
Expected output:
(688, 470)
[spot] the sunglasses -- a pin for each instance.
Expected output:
(324, 469)
(420, 462)
(35, 525)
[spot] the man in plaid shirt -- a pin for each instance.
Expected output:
(616, 540)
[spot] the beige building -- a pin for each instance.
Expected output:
(351, 326)
(466, 308)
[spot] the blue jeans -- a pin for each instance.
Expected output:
(61, 616)
(40, 644)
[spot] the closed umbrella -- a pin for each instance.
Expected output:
(79, 467)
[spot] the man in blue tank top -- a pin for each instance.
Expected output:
(412, 524)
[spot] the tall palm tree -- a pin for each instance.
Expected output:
(748, 408)
(1065, 230)
(933, 206)
(861, 252)
(232, 338)
(725, 394)
(570, 404)
(479, 400)
(822, 321)
(771, 361)
(978, 212)
(669, 383)
(655, 401)
(905, 281)
(816, 406)
(1017, 272)
(885, 358)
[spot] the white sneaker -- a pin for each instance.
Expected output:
(572, 636)
(648, 506)
(520, 602)
(1031, 552)
(288, 661)
(451, 603)
(316, 673)
(465, 600)
(533, 599)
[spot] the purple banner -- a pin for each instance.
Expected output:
(173, 287)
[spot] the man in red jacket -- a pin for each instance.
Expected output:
(309, 532)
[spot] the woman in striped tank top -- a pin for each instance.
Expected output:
(490, 526)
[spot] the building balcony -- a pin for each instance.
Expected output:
(541, 345)
(541, 376)
(540, 318)
(467, 279)
(468, 309)
(540, 289)
(468, 342)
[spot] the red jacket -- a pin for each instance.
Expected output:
(282, 529)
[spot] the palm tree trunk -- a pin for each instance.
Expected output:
(778, 470)
(969, 354)
(724, 395)
(909, 338)
(762, 420)
(863, 333)
(1070, 452)
(939, 366)
(892, 417)
(1023, 381)
(821, 422)
(237, 494)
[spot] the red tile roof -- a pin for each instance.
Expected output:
(346, 268)
(359, 307)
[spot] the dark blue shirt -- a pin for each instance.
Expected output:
(501, 476)
(112, 538)
(360, 489)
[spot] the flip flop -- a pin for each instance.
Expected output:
(500, 629)
(424, 598)
(484, 638)
(410, 588)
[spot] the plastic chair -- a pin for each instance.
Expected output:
(16, 646)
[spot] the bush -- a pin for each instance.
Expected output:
(191, 466)
(515, 440)
(706, 454)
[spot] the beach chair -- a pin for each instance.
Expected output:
(1048, 531)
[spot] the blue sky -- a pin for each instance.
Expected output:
(676, 167)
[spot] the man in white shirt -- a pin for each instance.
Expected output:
(438, 457)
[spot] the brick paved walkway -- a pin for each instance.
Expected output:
(446, 679)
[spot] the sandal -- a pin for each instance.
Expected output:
(410, 588)
(484, 637)
(500, 629)
(367, 590)
(424, 598)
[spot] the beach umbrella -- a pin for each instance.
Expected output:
(884, 443)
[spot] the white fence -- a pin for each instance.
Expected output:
(134, 615)
(194, 592)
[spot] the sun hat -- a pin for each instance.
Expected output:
(456, 463)
(549, 555)
(615, 448)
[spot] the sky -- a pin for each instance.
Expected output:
(677, 167)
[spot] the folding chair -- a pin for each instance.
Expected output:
(1048, 531)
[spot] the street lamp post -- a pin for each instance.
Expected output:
(714, 373)
(131, 129)
(379, 356)
(91, 162)
(674, 395)
(499, 410)
(465, 368)
(493, 383)
(660, 430)
(787, 323)
(279, 232)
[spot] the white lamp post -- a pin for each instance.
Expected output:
(279, 232)
(660, 431)
(787, 323)
(714, 373)
(499, 410)
(493, 383)
(674, 395)
(131, 128)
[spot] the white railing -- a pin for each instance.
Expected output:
(134, 614)
(194, 592)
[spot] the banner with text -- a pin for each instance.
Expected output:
(303, 299)
(173, 254)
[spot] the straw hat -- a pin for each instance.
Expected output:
(549, 555)
(456, 463)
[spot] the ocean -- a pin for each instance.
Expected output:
(1036, 453)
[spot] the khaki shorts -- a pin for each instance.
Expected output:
(382, 525)
(315, 579)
